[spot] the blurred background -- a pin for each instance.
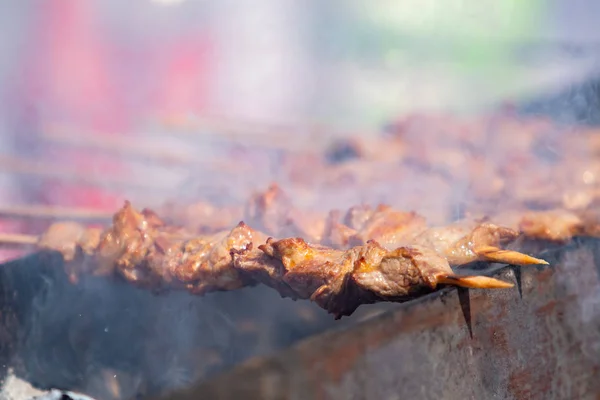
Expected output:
(168, 100)
(103, 100)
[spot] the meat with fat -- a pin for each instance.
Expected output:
(143, 250)
(341, 280)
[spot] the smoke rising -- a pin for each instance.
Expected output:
(141, 79)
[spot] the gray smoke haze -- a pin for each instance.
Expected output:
(285, 63)
(289, 62)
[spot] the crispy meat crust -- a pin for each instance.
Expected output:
(368, 255)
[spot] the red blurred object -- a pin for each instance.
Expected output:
(68, 70)
(184, 89)
(74, 74)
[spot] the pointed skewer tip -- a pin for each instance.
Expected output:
(474, 282)
(494, 254)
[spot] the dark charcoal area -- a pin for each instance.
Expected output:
(111, 340)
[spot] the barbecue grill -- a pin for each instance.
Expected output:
(69, 328)
(537, 341)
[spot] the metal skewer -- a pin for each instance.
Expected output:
(17, 240)
(54, 212)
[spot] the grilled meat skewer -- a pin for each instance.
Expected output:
(140, 248)
(341, 280)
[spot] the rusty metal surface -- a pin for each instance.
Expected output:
(540, 340)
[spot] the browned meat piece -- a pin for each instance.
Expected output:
(73, 240)
(593, 144)
(254, 263)
(143, 250)
(580, 183)
(533, 190)
(363, 223)
(301, 168)
(554, 225)
(579, 199)
(206, 265)
(269, 210)
(272, 212)
(389, 227)
(485, 183)
(484, 158)
(140, 248)
(339, 281)
(357, 173)
(309, 225)
(425, 134)
(336, 234)
(460, 243)
(126, 243)
(591, 222)
(67, 237)
(468, 241)
(202, 217)
(149, 253)
(573, 185)
(357, 217)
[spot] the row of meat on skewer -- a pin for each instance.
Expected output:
(502, 166)
(339, 261)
